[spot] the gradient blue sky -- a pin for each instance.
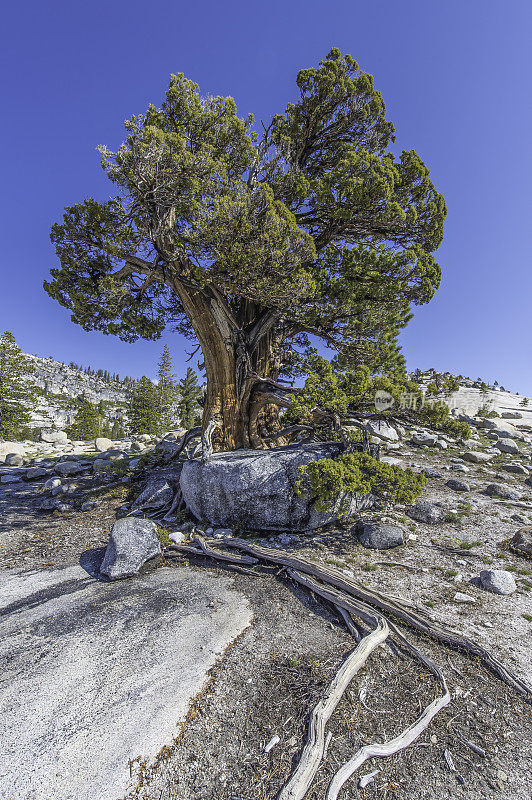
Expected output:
(456, 78)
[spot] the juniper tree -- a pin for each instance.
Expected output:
(189, 396)
(17, 391)
(144, 409)
(166, 388)
(249, 243)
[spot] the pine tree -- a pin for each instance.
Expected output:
(87, 422)
(117, 431)
(166, 389)
(524, 401)
(190, 393)
(144, 408)
(17, 392)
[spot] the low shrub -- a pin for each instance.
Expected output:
(358, 473)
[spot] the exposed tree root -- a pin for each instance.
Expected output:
(352, 599)
(415, 618)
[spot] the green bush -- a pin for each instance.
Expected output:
(437, 416)
(329, 478)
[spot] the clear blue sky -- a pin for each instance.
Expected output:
(456, 77)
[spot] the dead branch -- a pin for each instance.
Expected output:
(376, 750)
(312, 754)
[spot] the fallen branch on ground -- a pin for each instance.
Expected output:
(312, 754)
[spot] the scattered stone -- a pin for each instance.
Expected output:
(500, 490)
(221, 533)
(66, 468)
(177, 537)
(156, 494)
(52, 483)
(14, 460)
(379, 535)
(511, 415)
(10, 478)
(33, 473)
(459, 468)
(427, 512)
(477, 457)
(458, 485)
(132, 543)
(431, 473)
(462, 597)
(54, 504)
(102, 444)
(54, 437)
(529, 481)
(521, 541)
(89, 505)
(423, 439)
(382, 430)
(507, 446)
(515, 469)
(497, 581)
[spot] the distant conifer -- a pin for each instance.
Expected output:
(17, 391)
(189, 393)
(144, 408)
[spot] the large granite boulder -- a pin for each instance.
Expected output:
(132, 543)
(255, 489)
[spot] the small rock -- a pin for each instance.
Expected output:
(379, 535)
(427, 512)
(132, 543)
(500, 490)
(515, 469)
(461, 597)
(423, 439)
(498, 581)
(54, 437)
(52, 483)
(156, 494)
(522, 540)
(507, 446)
(223, 532)
(458, 485)
(177, 537)
(33, 473)
(88, 505)
(459, 468)
(102, 444)
(10, 479)
(429, 472)
(14, 460)
(476, 457)
(66, 468)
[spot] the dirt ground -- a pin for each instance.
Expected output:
(268, 681)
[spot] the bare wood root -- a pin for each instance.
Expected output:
(414, 618)
(208, 550)
(313, 752)
(376, 750)
(192, 433)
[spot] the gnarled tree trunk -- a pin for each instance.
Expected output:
(241, 352)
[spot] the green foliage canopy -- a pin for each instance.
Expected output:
(315, 221)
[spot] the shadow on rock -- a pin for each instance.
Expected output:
(91, 561)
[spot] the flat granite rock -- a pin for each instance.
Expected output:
(94, 674)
